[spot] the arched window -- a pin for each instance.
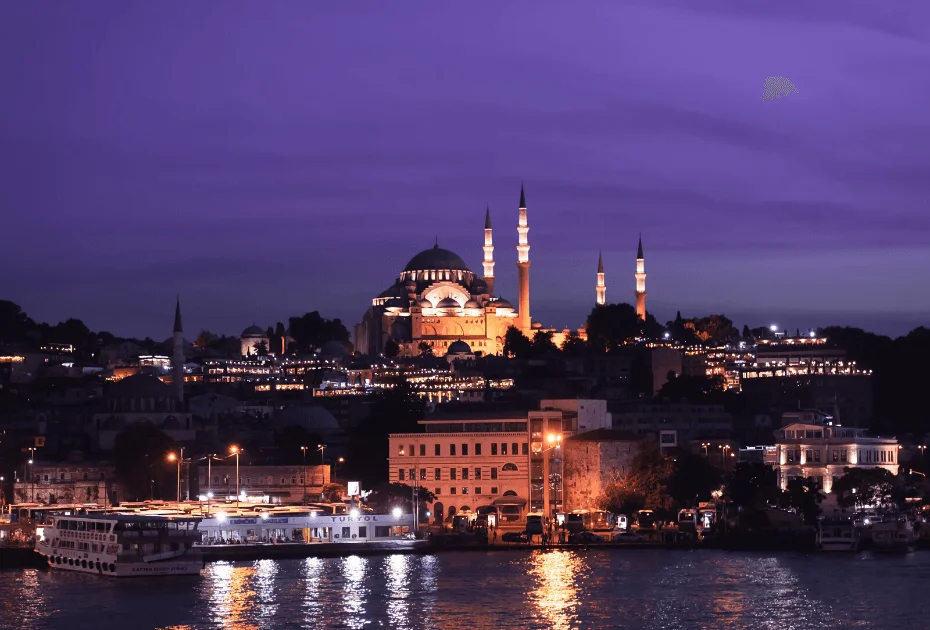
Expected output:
(464, 508)
(510, 493)
(508, 467)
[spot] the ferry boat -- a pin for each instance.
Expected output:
(122, 545)
(894, 533)
(838, 535)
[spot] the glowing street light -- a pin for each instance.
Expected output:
(235, 450)
(397, 512)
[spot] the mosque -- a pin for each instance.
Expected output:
(437, 299)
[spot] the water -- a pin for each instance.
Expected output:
(557, 589)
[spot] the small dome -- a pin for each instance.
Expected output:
(500, 303)
(436, 258)
(253, 331)
(424, 304)
(140, 386)
(447, 303)
(311, 417)
(479, 286)
(395, 303)
(459, 347)
(472, 303)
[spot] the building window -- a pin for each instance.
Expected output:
(464, 490)
(436, 450)
(494, 448)
(817, 455)
(790, 457)
(526, 448)
(891, 457)
(452, 449)
(464, 450)
(400, 449)
(493, 473)
(503, 448)
(843, 455)
(293, 480)
(478, 449)
(477, 473)
(438, 473)
(422, 474)
(493, 489)
(452, 473)
(301, 481)
(400, 474)
(438, 491)
(413, 474)
(422, 450)
(509, 467)
(477, 489)
(513, 448)
(836, 456)
(452, 490)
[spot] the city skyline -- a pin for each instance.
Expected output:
(263, 165)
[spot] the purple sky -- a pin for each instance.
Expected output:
(267, 159)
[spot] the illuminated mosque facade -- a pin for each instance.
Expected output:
(438, 300)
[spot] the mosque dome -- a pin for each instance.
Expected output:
(447, 303)
(436, 258)
(253, 331)
(459, 347)
(472, 304)
(311, 417)
(424, 304)
(500, 303)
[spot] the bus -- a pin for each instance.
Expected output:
(598, 520)
(645, 519)
(687, 520)
(534, 523)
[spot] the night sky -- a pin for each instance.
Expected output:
(268, 159)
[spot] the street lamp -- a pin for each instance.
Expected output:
(340, 460)
(322, 449)
(172, 457)
(555, 440)
(303, 449)
(704, 445)
(235, 450)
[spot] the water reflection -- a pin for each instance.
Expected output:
(312, 571)
(265, 573)
(396, 570)
(354, 570)
(427, 580)
(555, 597)
(231, 596)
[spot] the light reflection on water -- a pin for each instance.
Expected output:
(458, 591)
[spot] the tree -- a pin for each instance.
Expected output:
(693, 479)
(516, 344)
(865, 487)
(574, 345)
(391, 349)
(613, 325)
(753, 485)
(14, 323)
(542, 344)
(425, 348)
(805, 497)
(691, 388)
(261, 348)
(386, 496)
(140, 458)
(280, 338)
(747, 334)
(646, 485)
(204, 340)
(333, 492)
(310, 331)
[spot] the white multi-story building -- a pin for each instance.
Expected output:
(819, 450)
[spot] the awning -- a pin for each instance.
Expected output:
(510, 501)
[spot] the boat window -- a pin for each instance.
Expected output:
(82, 526)
(363, 532)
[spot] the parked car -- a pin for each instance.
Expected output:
(515, 537)
(627, 537)
(584, 538)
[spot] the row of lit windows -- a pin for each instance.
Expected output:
(839, 456)
(454, 473)
(226, 480)
(502, 448)
(465, 490)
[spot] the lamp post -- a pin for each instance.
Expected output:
(235, 451)
(304, 451)
(340, 460)
(172, 457)
(555, 440)
(322, 449)
(29, 472)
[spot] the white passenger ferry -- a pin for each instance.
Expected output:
(122, 545)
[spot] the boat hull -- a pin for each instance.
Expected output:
(190, 564)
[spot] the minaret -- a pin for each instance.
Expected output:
(488, 252)
(601, 287)
(640, 281)
(177, 360)
(523, 268)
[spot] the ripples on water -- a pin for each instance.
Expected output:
(558, 589)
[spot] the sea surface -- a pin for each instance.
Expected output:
(504, 589)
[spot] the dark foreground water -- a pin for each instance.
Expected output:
(559, 589)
